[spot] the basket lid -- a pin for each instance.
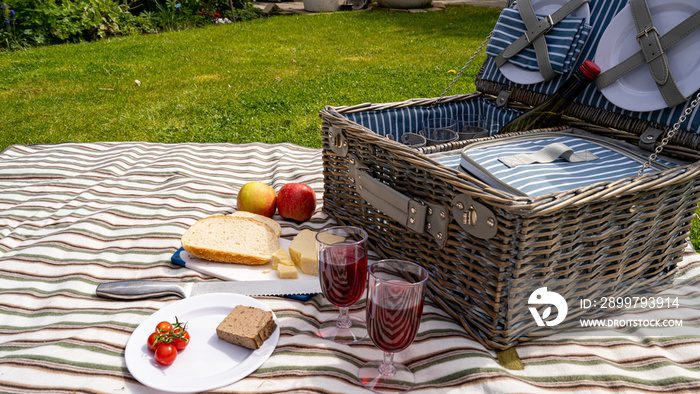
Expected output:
(594, 104)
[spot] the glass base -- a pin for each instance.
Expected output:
(356, 332)
(398, 381)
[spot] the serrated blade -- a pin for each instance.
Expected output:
(137, 289)
(259, 287)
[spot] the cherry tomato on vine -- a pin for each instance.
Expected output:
(166, 354)
(167, 339)
(154, 342)
(164, 326)
(181, 338)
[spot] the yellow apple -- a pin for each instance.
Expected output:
(257, 197)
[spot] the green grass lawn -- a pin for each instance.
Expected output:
(263, 80)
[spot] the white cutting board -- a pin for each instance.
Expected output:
(233, 271)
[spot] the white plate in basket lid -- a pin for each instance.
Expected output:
(636, 90)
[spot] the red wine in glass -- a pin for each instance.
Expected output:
(343, 272)
(392, 328)
(395, 298)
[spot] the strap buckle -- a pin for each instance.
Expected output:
(550, 21)
(645, 33)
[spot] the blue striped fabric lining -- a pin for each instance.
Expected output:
(538, 179)
(564, 41)
(602, 12)
(396, 122)
(452, 161)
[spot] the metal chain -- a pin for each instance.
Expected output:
(459, 74)
(512, 3)
(672, 132)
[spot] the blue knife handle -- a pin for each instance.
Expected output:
(299, 297)
(177, 260)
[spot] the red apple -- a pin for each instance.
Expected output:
(296, 201)
(257, 197)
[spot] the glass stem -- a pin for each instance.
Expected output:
(387, 368)
(344, 318)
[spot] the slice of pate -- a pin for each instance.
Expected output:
(247, 326)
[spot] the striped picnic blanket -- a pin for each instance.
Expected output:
(76, 215)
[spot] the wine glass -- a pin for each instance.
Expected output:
(395, 299)
(342, 270)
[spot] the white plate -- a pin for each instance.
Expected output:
(542, 7)
(636, 91)
(207, 362)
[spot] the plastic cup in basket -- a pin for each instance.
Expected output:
(472, 126)
(440, 130)
(414, 140)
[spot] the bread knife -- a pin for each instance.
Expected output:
(139, 289)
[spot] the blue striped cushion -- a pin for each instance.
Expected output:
(538, 179)
(564, 41)
(452, 160)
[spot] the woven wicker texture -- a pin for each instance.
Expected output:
(620, 238)
(592, 115)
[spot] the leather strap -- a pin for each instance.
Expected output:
(648, 139)
(534, 35)
(419, 216)
(548, 154)
(652, 53)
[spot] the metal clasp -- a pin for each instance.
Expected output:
(473, 217)
(337, 141)
(646, 32)
(550, 21)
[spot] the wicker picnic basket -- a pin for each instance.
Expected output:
(487, 251)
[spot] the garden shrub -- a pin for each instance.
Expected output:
(38, 22)
(10, 34)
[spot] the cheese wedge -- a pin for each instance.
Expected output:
(303, 250)
(287, 271)
(281, 257)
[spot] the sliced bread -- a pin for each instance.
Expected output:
(270, 222)
(247, 326)
(238, 239)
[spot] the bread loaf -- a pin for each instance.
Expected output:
(247, 326)
(269, 222)
(239, 238)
